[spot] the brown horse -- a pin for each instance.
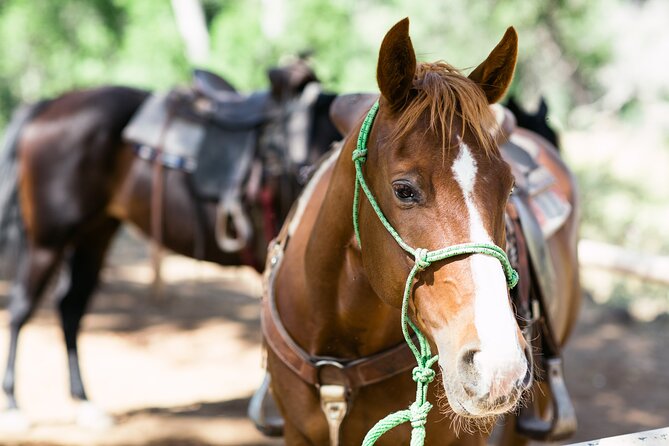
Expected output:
(78, 181)
(331, 314)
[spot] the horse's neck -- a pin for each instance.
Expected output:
(329, 307)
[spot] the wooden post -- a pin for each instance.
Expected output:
(615, 258)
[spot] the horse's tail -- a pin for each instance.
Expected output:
(12, 233)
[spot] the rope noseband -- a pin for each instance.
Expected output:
(422, 374)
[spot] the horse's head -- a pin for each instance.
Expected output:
(436, 171)
(290, 80)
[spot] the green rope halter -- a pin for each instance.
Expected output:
(423, 374)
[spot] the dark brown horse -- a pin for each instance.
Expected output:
(78, 181)
(538, 121)
(332, 305)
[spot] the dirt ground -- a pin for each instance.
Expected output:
(181, 371)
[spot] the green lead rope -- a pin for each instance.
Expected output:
(422, 374)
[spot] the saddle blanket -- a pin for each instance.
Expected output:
(155, 128)
(549, 206)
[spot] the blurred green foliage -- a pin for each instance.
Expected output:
(592, 59)
(52, 46)
(596, 61)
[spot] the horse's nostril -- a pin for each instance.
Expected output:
(468, 357)
(469, 390)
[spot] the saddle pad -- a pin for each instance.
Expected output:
(157, 126)
(550, 208)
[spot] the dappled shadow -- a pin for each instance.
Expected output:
(124, 305)
(230, 409)
(616, 370)
(127, 307)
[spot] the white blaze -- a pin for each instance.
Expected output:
(493, 318)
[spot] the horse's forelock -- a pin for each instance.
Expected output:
(443, 94)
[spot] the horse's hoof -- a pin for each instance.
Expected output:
(13, 420)
(90, 416)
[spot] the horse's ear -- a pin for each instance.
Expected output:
(495, 73)
(397, 65)
(290, 80)
(542, 111)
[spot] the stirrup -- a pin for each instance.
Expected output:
(562, 423)
(263, 411)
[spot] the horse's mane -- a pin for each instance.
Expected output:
(444, 93)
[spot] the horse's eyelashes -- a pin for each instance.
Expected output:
(406, 192)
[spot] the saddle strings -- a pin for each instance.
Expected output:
(422, 374)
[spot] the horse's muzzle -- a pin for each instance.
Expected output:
(489, 385)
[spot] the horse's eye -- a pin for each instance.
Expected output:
(405, 192)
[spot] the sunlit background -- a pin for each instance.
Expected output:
(601, 65)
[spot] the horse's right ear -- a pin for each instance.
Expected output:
(397, 65)
(495, 73)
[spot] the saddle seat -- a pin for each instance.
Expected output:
(226, 109)
(212, 85)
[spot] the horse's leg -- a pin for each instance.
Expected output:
(85, 263)
(37, 266)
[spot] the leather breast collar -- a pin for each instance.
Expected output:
(321, 370)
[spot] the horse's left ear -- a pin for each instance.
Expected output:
(495, 73)
(397, 65)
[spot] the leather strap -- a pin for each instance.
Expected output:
(313, 370)
(519, 257)
(541, 270)
(157, 190)
(318, 370)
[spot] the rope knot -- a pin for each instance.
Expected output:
(420, 257)
(359, 154)
(512, 281)
(419, 414)
(423, 375)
